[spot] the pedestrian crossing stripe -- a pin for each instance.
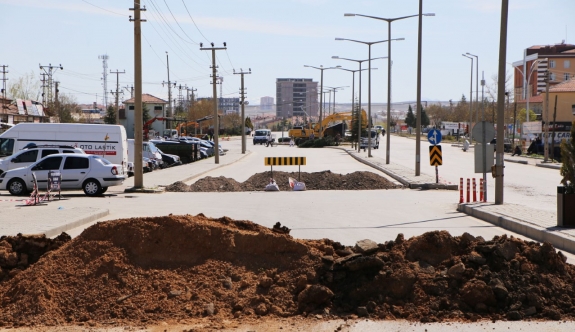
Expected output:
(435, 157)
(284, 161)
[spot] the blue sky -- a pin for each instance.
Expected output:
(273, 38)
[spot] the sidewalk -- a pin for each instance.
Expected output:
(533, 223)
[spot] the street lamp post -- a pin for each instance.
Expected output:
(476, 84)
(321, 68)
(369, 84)
(334, 90)
(353, 92)
(470, 95)
(389, 20)
(360, 70)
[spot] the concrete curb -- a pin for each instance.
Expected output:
(85, 220)
(400, 179)
(552, 166)
(248, 152)
(534, 232)
(524, 162)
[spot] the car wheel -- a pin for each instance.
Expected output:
(104, 190)
(92, 187)
(17, 187)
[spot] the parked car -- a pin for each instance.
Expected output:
(31, 153)
(169, 159)
(262, 136)
(91, 173)
(147, 166)
(507, 146)
(222, 151)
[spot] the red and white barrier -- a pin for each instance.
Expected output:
(460, 190)
(481, 196)
(474, 191)
(468, 189)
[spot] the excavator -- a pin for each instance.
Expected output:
(148, 123)
(300, 133)
(181, 128)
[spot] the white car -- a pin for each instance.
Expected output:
(91, 173)
(33, 153)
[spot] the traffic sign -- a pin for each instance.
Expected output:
(435, 157)
(478, 129)
(434, 136)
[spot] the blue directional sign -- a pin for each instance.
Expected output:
(434, 136)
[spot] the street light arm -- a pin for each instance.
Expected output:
(389, 19)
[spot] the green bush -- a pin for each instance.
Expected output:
(283, 140)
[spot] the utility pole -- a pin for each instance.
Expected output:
(49, 71)
(243, 103)
(138, 119)
(44, 86)
(169, 83)
(117, 93)
(104, 59)
(215, 96)
(130, 89)
(57, 102)
(4, 79)
(190, 108)
(546, 138)
(499, 160)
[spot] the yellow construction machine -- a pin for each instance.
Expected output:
(300, 133)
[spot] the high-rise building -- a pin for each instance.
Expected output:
(296, 97)
(266, 103)
(227, 105)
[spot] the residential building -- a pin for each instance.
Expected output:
(564, 110)
(296, 97)
(156, 108)
(266, 103)
(16, 111)
(559, 59)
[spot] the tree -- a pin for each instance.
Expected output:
(202, 109)
(145, 113)
(568, 162)
(232, 122)
(424, 118)
(249, 123)
(354, 120)
(410, 118)
(25, 87)
(521, 115)
(110, 117)
(65, 107)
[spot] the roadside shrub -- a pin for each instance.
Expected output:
(283, 140)
(318, 143)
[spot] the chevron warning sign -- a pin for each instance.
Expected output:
(435, 158)
(284, 161)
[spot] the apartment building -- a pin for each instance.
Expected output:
(296, 97)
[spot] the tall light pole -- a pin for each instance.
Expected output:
(527, 91)
(321, 68)
(476, 84)
(243, 103)
(334, 90)
(353, 93)
(360, 70)
(369, 83)
(388, 20)
(215, 96)
(470, 95)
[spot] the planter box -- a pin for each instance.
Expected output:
(565, 208)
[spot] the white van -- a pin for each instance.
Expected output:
(109, 141)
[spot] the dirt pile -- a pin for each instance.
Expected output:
(183, 267)
(18, 252)
(325, 180)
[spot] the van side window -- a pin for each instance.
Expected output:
(48, 152)
(76, 163)
(52, 163)
(27, 157)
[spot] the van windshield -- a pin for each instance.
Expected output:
(261, 132)
(6, 147)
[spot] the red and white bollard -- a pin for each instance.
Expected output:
(481, 190)
(474, 191)
(460, 190)
(468, 189)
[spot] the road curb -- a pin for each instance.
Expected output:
(189, 178)
(552, 166)
(534, 232)
(524, 162)
(85, 220)
(399, 178)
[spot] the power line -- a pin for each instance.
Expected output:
(91, 4)
(194, 21)
(178, 23)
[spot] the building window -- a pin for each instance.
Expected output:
(567, 64)
(566, 76)
(551, 63)
(552, 77)
(131, 107)
(157, 108)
